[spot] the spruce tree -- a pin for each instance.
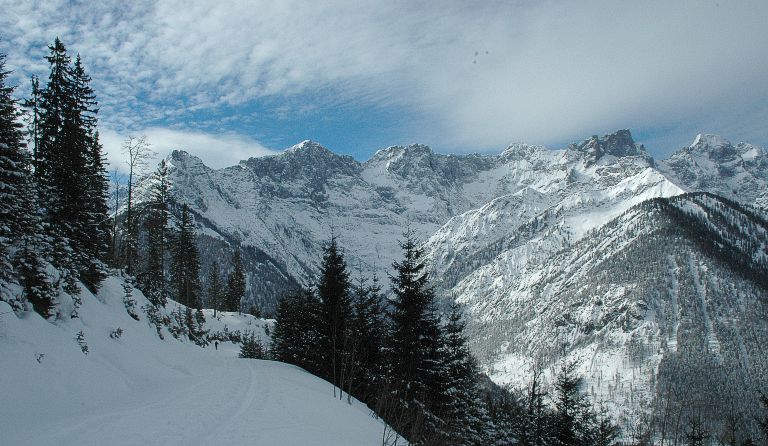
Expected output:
(335, 313)
(534, 420)
(13, 172)
(156, 223)
(23, 245)
(185, 265)
(235, 283)
(251, 347)
(295, 337)
(567, 406)
(415, 363)
(369, 330)
(62, 167)
(464, 412)
(96, 241)
(32, 105)
(69, 170)
(215, 294)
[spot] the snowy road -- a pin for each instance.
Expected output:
(240, 402)
(140, 390)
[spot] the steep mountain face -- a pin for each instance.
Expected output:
(713, 164)
(283, 208)
(556, 253)
(664, 309)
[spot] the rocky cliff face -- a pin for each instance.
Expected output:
(713, 164)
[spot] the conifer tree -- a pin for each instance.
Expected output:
(251, 347)
(415, 363)
(533, 425)
(69, 169)
(464, 411)
(295, 337)
(369, 330)
(185, 265)
(156, 223)
(63, 159)
(32, 105)
(23, 246)
(95, 241)
(13, 172)
(215, 295)
(567, 406)
(335, 312)
(235, 283)
(55, 101)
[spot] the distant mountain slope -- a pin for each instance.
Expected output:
(283, 208)
(138, 389)
(712, 164)
(672, 294)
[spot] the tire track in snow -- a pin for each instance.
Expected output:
(239, 416)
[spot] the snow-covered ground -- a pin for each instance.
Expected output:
(141, 390)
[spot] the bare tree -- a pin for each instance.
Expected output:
(115, 178)
(138, 154)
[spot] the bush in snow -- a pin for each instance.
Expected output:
(155, 318)
(81, 341)
(129, 301)
(251, 347)
(116, 333)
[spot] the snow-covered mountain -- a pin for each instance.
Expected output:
(283, 208)
(670, 293)
(713, 164)
(536, 242)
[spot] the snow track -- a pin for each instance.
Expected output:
(140, 390)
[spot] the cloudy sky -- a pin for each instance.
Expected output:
(229, 80)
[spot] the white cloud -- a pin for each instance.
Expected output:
(475, 74)
(216, 150)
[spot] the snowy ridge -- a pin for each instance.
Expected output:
(600, 302)
(284, 207)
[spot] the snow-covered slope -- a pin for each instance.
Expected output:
(712, 164)
(139, 389)
(669, 295)
(561, 199)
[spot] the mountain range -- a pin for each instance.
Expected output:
(641, 270)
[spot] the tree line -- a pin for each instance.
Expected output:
(56, 231)
(410, 363)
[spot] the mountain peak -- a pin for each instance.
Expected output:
(401, 153)
(308, 146)
(713, 146)
(618, 144)
(183, 159)
(709, 140)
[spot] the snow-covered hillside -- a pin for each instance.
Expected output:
(670, 293)
(139, 389)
